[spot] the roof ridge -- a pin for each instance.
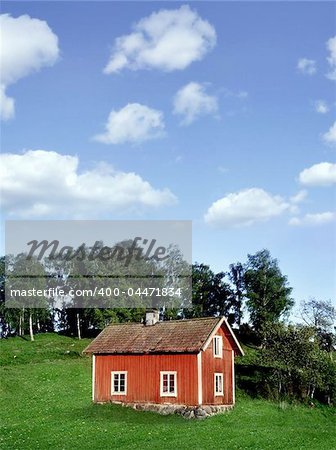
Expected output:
(167, 321)
(191, 319)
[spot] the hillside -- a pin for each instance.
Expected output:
(46, 403)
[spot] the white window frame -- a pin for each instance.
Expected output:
(221, 376)
(169, 373)
(219, 341)
(113, 392)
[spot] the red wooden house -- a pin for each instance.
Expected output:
(181, 362)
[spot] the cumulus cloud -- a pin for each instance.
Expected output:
(331, 46)
(134, 123)
(245, 208)
(40, 183)
(321, 107)
(313, 219)
(322, 174)
(7, 107)
(191, 102)
(27, 45)
(330, 136)
(307, 66)
(299, 197)
(167, 40)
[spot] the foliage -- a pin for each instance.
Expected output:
(236, 276)
(267, 291)
(292, 365)
(83, 315)
(319, 314)
(211, 295)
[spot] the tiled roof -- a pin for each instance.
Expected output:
(173, 336)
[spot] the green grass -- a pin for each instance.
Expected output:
(46, 404)
(46, 347)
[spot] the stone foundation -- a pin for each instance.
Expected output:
(187, 412)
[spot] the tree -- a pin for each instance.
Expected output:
(211, 295)
(236, 275)
(320, 315)
(28, 277)
(267, 291)
(298, 366)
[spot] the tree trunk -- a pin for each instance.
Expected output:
(31, 326)
(312, 392)
(78, 327)
(21, 323)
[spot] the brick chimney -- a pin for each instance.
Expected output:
(152, 317)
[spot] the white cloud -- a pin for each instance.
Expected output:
(331, 46)
(134, 123)
(330, 136)
(299, 197)
(306, 66)
(245, 208)
(41, 183)
(191, 102)
(27, 45)
(7, 108)
(313, 219)
(167, 40)
(321, 107)
(322, 174)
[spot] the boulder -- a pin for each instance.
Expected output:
(200, 413)
(207, 409)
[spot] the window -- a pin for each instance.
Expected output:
(218, 346)
(219, 384)
(118, 383)
(168, 384)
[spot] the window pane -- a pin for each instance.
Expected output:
(171, 384)
(115, 382)
(165, 383)
(220, 383)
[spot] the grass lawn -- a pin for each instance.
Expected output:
(46, 404)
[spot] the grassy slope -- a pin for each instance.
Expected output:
(47, 404)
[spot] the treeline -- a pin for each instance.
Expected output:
(283, 360)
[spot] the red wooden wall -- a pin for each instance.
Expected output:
(143, 377)
(211, 365)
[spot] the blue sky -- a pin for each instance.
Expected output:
(230, 123)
